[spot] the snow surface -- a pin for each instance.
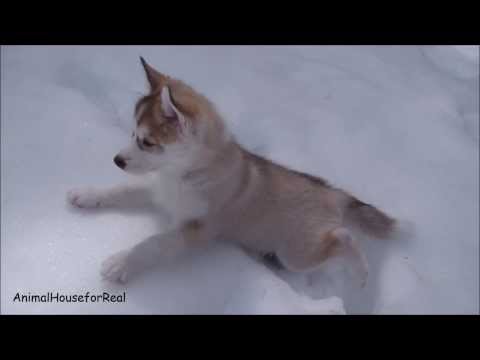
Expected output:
(395, 125)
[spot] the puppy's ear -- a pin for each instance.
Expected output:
(168, 107)
(155, 78)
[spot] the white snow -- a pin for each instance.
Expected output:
(395, 125)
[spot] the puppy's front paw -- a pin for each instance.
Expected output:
(84, 198)
(115, 267)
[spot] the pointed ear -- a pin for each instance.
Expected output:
(155, 78)
(168, 107)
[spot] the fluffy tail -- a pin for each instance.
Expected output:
(370, 220)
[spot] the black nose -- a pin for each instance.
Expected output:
(119, 161)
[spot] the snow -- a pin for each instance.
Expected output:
(395, 125)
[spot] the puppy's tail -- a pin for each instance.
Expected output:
(369, 219)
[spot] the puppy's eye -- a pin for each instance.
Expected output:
(147, 143)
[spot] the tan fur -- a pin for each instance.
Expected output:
(191, 103)
(261, 205)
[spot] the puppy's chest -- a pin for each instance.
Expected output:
(180, 199)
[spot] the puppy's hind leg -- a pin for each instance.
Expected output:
(351, 252)
(310, 254)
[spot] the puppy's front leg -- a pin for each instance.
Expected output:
(155, 249)
(129, 195)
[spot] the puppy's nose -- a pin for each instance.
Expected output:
(119, 161)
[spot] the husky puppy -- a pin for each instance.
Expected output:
(215, 190)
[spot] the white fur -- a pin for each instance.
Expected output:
(167, 105)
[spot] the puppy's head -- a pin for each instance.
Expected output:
(174, 124)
